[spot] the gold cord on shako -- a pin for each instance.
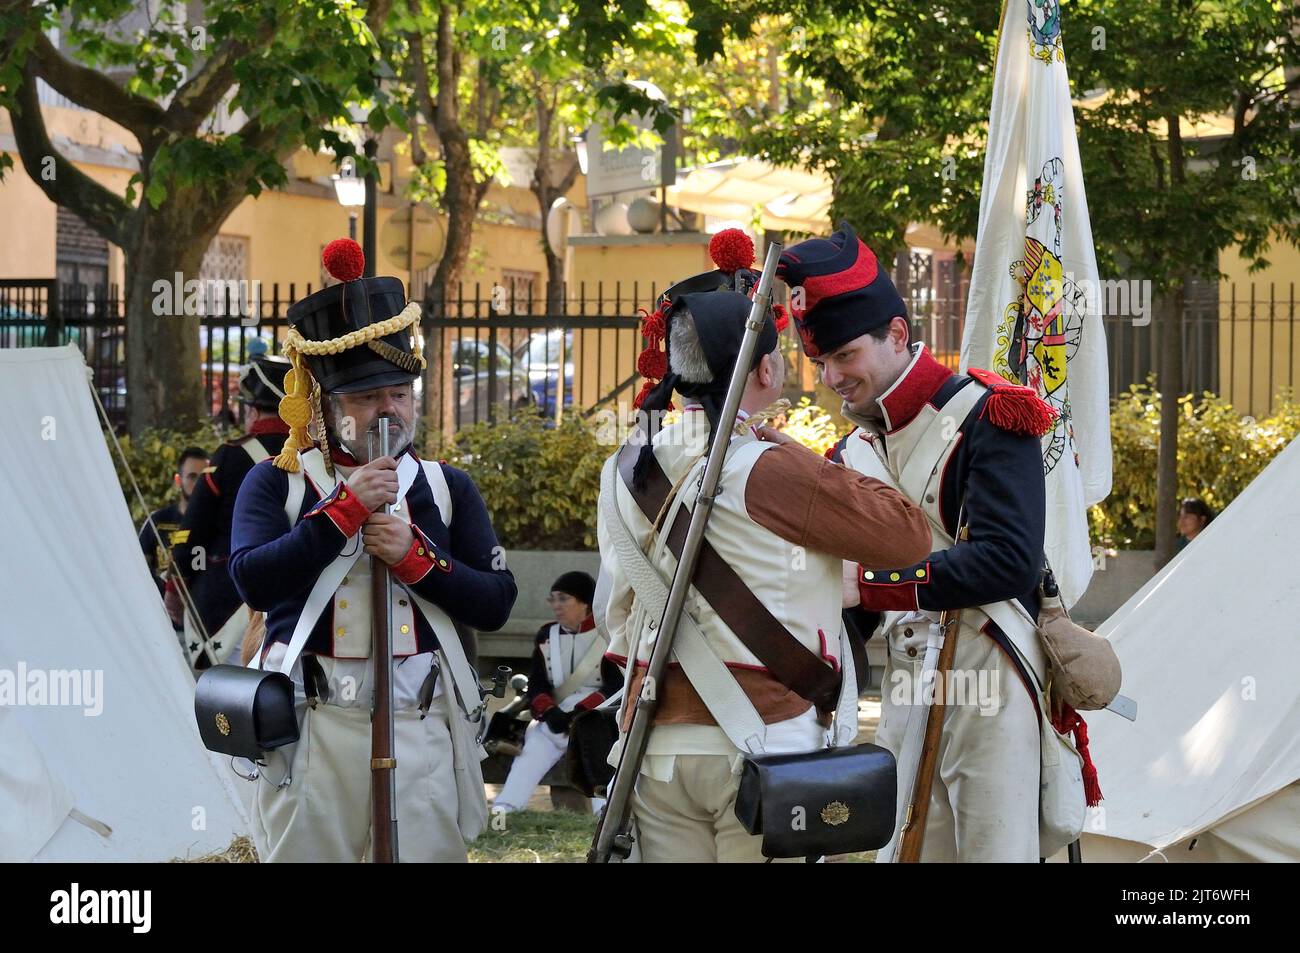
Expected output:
(301, 406)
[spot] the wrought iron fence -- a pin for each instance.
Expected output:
(491, 353)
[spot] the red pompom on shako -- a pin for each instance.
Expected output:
(344, 259)
(731, 249)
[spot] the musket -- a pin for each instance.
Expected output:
(383, 756)
(918, 808)
(613, 832)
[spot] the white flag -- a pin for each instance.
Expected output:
(1034, 313)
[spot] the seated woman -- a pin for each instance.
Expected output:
(569, 675)
(1193, 516)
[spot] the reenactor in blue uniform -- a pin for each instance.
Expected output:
(158, 533)
(306, 527)
(201, 547)
(966, 448)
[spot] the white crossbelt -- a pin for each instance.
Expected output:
(453, 652)
(717, 687)
(332, 577)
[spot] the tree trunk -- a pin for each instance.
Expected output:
(165, 387)
(460, 202)
(1171, 388)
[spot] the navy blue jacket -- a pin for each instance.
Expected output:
(208, 521)
(998, 473)
(274, 568)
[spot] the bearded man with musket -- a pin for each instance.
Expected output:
(304, 525)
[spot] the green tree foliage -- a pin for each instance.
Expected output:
(1219, 453)
(540, 482)
(167, 74)
(152, 457)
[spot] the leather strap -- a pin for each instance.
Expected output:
(715, 683)
(792, 664)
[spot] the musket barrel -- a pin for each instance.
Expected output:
(383, 758)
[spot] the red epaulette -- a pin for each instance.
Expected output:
(1014, 407)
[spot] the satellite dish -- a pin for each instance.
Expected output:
(643, 215)
(430, 237)
(611, 219)
(559, 222)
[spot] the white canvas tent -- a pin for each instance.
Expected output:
(133, 782)
(1211, 653)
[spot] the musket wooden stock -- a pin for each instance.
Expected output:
(383, 814)
(918, 809)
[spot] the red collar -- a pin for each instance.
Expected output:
(913, 390)
(269, 425)
(341, 456)
(588, 624)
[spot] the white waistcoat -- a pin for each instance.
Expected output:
(350, 627)
(565, 650)
(800, 587)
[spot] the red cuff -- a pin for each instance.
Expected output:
(591, 701)
(344, 510)
(541, 705)
(415, 565)
(419, 559)
(889, 590)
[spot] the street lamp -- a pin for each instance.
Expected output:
(580, 147)
(384, 78)
(351, 192)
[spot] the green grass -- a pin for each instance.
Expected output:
(535, 837)
(557, 837)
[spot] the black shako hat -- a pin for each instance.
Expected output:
(260, 385)
(840, 292)
(578, 584)
(352, 305)
(354, 336)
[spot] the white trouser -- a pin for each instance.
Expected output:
(691, 817)
(684, 802)
(323, 813)
(984, 800)
(542, 749)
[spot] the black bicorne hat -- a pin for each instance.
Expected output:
(733, 252)
(261, 384)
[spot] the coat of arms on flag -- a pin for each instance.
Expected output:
(1033, 315)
